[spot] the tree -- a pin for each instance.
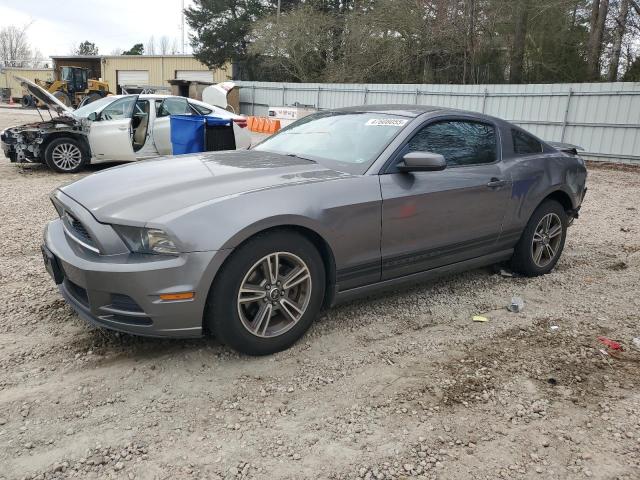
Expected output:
(418, 41)
(86, 48)
(222, 31)
(633, 72)
(556, 44)
(520, 12)
(619, 31)
(599, 10)
(14, 47)
(137, 49)
(297, 43)
(166, 46)
(150, 47)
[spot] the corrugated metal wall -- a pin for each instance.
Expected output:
(603, 118)
(7, 77)
(160, 68)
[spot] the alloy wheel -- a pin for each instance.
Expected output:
(274, 294)
(546, 240)
(66, 156)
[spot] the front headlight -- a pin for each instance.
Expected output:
(146, 240)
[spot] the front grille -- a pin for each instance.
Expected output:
(77, 292)
(125, 303)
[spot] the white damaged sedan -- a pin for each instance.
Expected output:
(112, 128)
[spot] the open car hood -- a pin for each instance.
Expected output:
(45, 97)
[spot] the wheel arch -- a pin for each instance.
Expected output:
(74, 135)
(562, 197)
(311, 234)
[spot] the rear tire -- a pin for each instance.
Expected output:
(261, 318)
(66, 155)
(542, 241)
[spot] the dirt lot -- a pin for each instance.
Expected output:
(402, 385)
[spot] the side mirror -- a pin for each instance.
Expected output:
(93, 116)
(422, 162)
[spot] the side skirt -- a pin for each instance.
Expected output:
(351, 294)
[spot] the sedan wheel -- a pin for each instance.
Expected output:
(542, 241)
(267, 293)
(546, 240)
(65, 155)
(274, 294)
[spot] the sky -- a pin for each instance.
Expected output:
(57, 26)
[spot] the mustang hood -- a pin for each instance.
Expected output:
(138, 193)
(45, 97)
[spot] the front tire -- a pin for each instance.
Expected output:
(267, 294)
(92, 97)
(62, 97)
(65, 155)
(542, 241)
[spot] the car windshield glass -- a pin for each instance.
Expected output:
(94, 106)
(346, 141)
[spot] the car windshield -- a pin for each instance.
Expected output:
(84, 112)
(346, 141)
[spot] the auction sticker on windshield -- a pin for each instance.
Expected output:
(386, 122)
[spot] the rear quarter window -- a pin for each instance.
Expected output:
(199, 109)
(524, 144)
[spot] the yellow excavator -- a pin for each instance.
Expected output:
(73, 89)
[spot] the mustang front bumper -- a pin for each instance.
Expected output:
(122, 292)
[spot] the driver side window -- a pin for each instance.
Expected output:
(460, 142)
(118, 110)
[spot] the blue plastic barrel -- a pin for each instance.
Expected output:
(188, 132)
(217, 121)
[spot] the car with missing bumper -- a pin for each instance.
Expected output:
(251, 245)
(112, 128)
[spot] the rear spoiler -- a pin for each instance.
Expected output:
(566, 147)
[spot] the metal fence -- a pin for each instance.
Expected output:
(603, 118)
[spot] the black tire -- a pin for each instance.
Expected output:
(56, 146)
(524, 260)
(63, 98)
(27, 101)
(222, 315)
(92, 97)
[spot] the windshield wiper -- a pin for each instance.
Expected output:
(301, 158)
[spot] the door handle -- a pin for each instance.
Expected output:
(123, 128)
(496, 183)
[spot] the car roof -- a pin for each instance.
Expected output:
(149, 95)
(414, 111)
(393, 109)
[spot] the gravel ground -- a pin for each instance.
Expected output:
(398, 386)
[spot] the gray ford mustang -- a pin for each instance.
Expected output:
(251, 245)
